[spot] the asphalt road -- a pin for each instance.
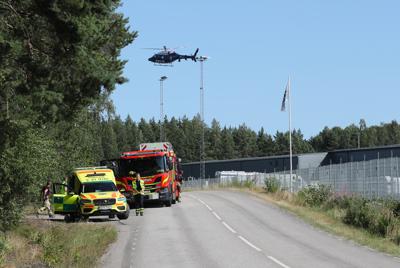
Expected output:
(231, 229)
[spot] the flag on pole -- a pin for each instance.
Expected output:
(285, 97)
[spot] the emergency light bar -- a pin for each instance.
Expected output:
(93, 168)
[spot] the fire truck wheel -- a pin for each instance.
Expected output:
(168, 203)
(173, 198)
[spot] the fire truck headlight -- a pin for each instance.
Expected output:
(164, 190)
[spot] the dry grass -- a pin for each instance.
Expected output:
(45, 243)
(21, 252)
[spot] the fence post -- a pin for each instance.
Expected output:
(357, 178)
(351, 175)
(370, 178)
(391, 174)
(397, 177)
(378, 173)
(330, 170)
(364, 177)
(383, 181)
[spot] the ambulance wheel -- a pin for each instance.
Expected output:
(123, 216)
(68, 218)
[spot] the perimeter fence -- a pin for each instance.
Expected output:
(379, 178)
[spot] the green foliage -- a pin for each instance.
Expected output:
(314, 195)
(272, 185)
(4, 249)
(379, 217)
(356, 212)
(23, 168)
(342, 138)
(249, 184)
(60, 62)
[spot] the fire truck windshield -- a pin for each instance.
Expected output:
(147, 166)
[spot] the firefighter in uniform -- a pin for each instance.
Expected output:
(138, 189)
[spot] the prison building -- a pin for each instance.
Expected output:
(279, 163)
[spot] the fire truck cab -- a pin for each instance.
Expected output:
(159, 168)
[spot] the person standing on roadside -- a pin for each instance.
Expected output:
(45, 196)
(138, 189)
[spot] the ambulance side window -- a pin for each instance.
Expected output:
(71, 183)
(77, 185)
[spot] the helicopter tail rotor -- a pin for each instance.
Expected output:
(195, 55)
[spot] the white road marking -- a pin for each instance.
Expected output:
(216, 215)
(278, 262)
(228, 227)
(201, 201)
(209, 208)
(248, 243)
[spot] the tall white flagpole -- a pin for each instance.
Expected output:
(290, 135)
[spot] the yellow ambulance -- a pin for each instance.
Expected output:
(89, 191)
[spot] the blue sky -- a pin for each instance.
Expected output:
(343, 58)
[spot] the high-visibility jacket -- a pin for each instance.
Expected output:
(135, 186)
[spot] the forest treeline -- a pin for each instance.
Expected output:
(59, 63)
(223, 142)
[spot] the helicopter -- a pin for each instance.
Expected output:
(167, 56)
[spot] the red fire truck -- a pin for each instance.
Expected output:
(159, 168)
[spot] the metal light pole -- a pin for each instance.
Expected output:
(162, 78)
(202, 144)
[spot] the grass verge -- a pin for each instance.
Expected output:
(328, 220)
(42, 243)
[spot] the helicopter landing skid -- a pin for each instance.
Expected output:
(165, 65)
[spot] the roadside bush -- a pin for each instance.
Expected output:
(376, 216)
(393, 205)
(314, 195)
(272, 185)
(356, 212)
(393, 231)
(248, 184)
(379, 218)
(242, 184)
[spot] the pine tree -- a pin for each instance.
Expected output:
(265, 144)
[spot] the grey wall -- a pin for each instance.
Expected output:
(281, 163)
(258, 164)
(356, 155)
